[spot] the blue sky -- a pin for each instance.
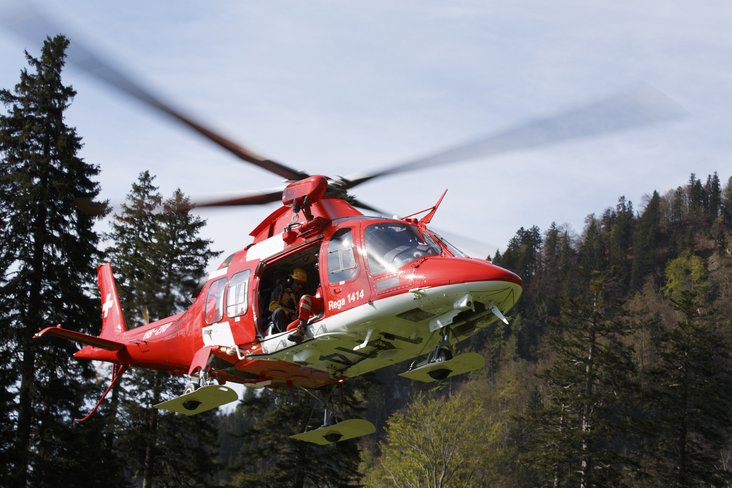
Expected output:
(337, 88)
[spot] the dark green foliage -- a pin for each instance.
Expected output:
(689, 395)
(523, 253)
(262, 453)
(618, 225)
(160, 258)
(634, 436)
(713, 191)
(524, 256)
(156, 252)
(557, 274)
(7, 406)
(697, 210)
(180, 254)
(586, 424)
(161, 448)
(46, 259)
(592, 249)
(133, 248)
(647, 243)
(635, 383)
(727, 203)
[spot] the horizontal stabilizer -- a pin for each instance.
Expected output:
(79, 337)
(462, 363)
(200, 400)
(342, 431)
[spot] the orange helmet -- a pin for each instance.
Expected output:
(299, 274)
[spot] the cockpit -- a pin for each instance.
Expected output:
(391, 245)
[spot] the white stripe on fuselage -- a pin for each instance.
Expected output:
(218, 335)
(266, 248)
(217, 273)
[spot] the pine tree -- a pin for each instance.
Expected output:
(558, 269)
(592, 249)
(8, 399)
(180, 255)
(619, 228)
(696, 195)
(523, 253)
(581, 431)
(713, 191)
(523, 256)
(727, 203)
(268, 457)
(47, 262)
(691, 394)
(160, 257)
(646, 241)
(678, 206)
(133, 237)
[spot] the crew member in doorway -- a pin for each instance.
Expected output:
(284, 298)
(309, 306)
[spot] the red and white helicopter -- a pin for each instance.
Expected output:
(391, 290)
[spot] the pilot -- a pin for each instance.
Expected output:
(309, 306)
(283, 301)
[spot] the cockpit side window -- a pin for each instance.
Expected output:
(342, 264)
(390, 245)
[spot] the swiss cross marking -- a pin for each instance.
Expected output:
(108, 303)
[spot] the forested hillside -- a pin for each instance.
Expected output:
(615, 369)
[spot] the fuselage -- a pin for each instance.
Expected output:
(390, 290)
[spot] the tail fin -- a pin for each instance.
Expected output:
(113, 321)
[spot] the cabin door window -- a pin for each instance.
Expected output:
(214, 311)
(236, 300)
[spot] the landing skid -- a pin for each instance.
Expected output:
(436, 371)
(342, 431)
(331, 431)
(200, 400)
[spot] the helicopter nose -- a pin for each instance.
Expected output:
(463, 283)
(492, 272)
(441, 270)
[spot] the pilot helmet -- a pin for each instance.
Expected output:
(300, 275)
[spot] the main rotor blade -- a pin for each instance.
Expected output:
(28, 23)
(358, 203)
(267, 196)
(637, 107)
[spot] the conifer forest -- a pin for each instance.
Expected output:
(615, 368)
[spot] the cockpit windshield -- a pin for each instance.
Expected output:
(454, 250)
(391, 245)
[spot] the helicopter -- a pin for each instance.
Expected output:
(389, 290)
(392, 291)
